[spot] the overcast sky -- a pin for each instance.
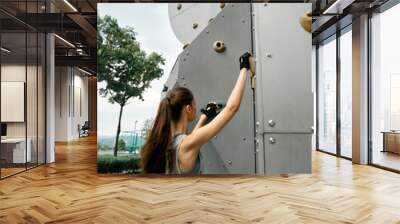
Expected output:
(154, 33)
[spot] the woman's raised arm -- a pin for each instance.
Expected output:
(201, 135)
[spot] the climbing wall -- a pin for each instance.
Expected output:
(284, 100)
(187, 20)
(172, 78)
(211, 76)
(271, 133)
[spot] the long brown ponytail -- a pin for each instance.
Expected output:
(157, 149)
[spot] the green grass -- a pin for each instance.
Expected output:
(120, 164)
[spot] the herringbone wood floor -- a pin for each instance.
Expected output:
(70, 191)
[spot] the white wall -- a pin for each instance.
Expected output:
(12, 73)
(33, 126)
(81, 109)
(62, 81)
(71, 87)
(16, 73)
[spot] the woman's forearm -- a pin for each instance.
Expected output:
(235, 98)
(203, 134)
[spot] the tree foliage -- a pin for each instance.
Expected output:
(121, 144)
(123, 66)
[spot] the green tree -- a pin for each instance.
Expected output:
(121, 144)
(124, 67)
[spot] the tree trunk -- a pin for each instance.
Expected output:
(118, 131)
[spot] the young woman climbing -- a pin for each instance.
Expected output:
(169, 148)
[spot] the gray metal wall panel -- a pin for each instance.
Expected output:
(283, 88)
(211, 76)
(291, 153)
(285, 75)
(172, 80)
(173, 77)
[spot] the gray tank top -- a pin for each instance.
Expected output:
(176, 143)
